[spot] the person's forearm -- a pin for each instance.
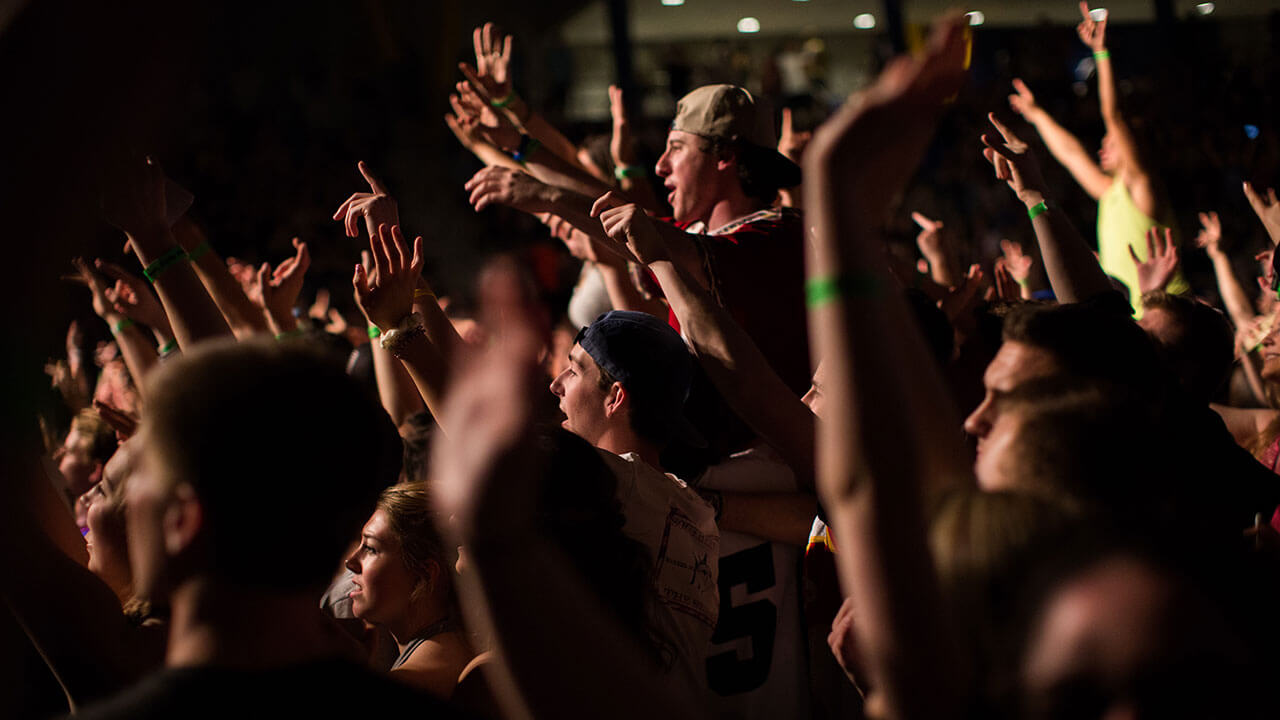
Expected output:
(1233, 295)
(1074, 272)
(551, 169)
(191, 311)
(1253, 373)
(1106, 87)
(429, 371)
(888, 429)
(396, 389)
(740, 371)
(244, 317)
(440, 330)
(1068, 151)
(778, 517)
(136, 349)
(490, 155)
(544, 132)
(623, 294)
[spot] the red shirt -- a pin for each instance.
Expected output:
(755, 269)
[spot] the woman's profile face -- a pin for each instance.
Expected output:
(384, 585)
(106, 539)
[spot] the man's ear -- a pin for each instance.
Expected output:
(183, 520)
(728, 160)
(615, 399)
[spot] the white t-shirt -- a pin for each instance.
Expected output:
(757, 664)
(679, 529)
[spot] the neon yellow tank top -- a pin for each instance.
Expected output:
(1122, 225)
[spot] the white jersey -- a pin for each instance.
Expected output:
(679, 529)
(757, 664)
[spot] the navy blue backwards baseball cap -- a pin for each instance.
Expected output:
(651, 361)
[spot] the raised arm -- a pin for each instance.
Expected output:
(387, 299)
(526, 152)
(1093, 33)
(492, 78)
(399, 396)
(626, 167)
(137, 206)
(888, 427)
(500, 186)
(1064, 146)
(1074, 272)
(1158, 269)
(728, 355)
(138, 352)
(1267, 208)
(244, 317)
(279, 289)
(131, 297)
(1233, 295)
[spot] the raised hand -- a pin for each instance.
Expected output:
(791, 143)
(122, 422)
(377, 207)
(513, 188)
(279, 288)
(1210, 235)
(489, 407)
(1267, 209)
(1093, 33)
(1022, 101)
(386, 297)
(1006, 286)
(627, 224)
(1016, 262)
(1014, 163)
(903, 103)
(1162, 261)
(621, 145)
(492, 73)
(102, 305)
(131, 297)
(474, 114)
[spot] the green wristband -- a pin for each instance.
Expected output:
(622, 172)
(201, 250)
(374, 331)
(173, 255)
(504, 101)
(1036, 210)
(1102, 55)
(120, 326)
(169, 347)
(820, 291)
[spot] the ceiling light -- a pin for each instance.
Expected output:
(1098, 14)
(976, 17)
(865, 21)
(748, 25)
(1206, 8)
(672, 3)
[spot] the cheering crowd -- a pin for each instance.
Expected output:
(733, 477)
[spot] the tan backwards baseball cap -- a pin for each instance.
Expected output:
(729, 112)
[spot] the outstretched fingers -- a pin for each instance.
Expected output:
(608, 200)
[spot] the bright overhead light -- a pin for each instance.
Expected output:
(672, 3)
(976, 17)
(748, 25)
(1098, 14)
(865, 21)
(1206, 8)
